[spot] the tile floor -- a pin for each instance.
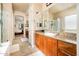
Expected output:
(38, 53)
(25, 49)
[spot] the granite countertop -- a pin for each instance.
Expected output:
(54, 35)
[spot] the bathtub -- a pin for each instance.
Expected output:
(3, 48)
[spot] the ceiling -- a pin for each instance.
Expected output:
(23, 7)
(60, 7)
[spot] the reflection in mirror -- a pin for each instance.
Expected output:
(19, 24)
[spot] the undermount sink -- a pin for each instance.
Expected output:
(50, 34)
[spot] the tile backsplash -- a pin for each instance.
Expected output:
(72, 36)
(66, 35)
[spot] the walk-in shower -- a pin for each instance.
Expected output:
(4, 44)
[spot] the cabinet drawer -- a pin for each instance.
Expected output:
(66, 48)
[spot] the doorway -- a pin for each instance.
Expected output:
(19, 25)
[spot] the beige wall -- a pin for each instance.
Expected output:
(66, 12)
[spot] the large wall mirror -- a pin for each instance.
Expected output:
(19, 24)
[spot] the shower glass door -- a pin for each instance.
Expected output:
(0, 23)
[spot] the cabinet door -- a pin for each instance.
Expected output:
(60, 44)
(66, 49)
(42, 42)
(37, 40)
(47, 45)
(50, 46)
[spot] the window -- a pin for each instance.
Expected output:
(71, 23)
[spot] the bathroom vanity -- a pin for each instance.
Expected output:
(52, 45)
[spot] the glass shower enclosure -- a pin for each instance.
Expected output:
(0, 23)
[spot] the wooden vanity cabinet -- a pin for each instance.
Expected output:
(66, 49)
(53, 47)
(39, 42)
(50, 46)
(46, 44)
(60, 44)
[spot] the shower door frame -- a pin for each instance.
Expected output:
(1, 24)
